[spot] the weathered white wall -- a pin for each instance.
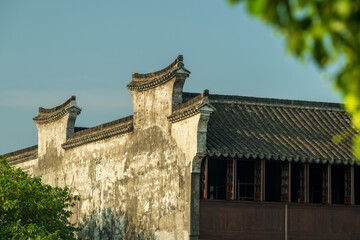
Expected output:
(144, 174)
(51, 136)
(28, 166)
(139, 181)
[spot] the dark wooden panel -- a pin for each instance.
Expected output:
(323, 222)
(262, 220)
(241, 220)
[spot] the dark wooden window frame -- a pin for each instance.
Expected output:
(259, 181)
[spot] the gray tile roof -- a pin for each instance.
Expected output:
(278, 129)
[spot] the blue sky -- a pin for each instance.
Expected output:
(51, 50)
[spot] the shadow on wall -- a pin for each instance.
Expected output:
(111, 225)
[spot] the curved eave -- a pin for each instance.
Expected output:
(101, 132)
(53, 114)
(303, 159)
(22, 155)
(143, 82)
(188, 109)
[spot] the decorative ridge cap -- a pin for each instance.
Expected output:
(54, 109)
(188, 108)
(192, 102)
(217, 98)
(146, 76)
(121, 121)
(45, 116)
(21, 151)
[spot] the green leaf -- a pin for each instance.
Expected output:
(256, 6)
(31, 209)
(305, 24)
(319, 53)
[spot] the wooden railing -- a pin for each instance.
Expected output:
(264, 220)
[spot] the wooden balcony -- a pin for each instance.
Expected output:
(265, 220)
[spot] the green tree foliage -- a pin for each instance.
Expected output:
(328, 32)
(30, 209)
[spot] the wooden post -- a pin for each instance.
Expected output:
(204, 178)
(230, 180)
(306, 182)
(289, 181)
(263, 180)
(235, 178)
(259, 178)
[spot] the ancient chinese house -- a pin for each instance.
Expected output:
(203, 166)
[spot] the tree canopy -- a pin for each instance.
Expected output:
(327, 32)
(30, 209)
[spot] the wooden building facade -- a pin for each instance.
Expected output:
(279, 169)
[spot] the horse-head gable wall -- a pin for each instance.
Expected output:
(141, 167)
(156, 94)
(54, 125)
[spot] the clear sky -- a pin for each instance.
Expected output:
(51, 50)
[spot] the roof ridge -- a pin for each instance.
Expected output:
(54, 109)
(188, 108)
(146, 76)
(143, 82)
(53, 114)
(22, 155)
(100, 127)
(18, 152)
(97, 133)
(218, 98)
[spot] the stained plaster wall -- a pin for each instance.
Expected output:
(28, 166)
(145, 174)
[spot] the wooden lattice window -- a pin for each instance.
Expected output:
(325, 184)
(302, 183)
(285, 168)
(347, 199)
(257, 180)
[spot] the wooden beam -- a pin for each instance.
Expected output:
(263, 180)
(290, 181)
(235, 178)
